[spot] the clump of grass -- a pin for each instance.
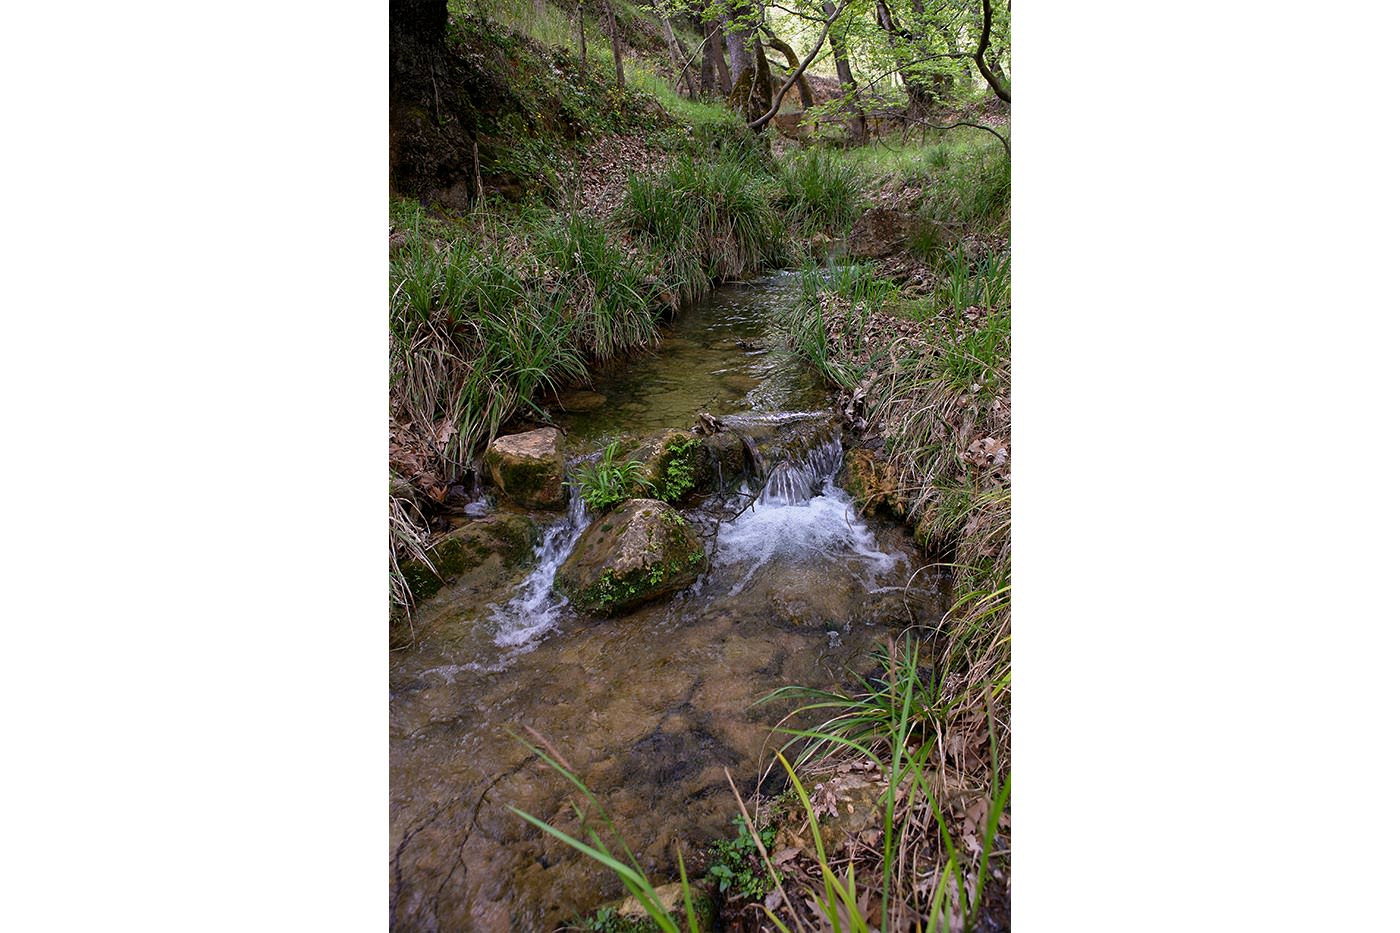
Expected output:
(900, 722)
(408, 539)
(608, 481)
(821, 192)
(611, 301)
(706, 220)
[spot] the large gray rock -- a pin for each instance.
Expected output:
(640, 551)
(529, 468)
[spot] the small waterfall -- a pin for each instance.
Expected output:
(795, 481)
(799, 513)
(534, 608)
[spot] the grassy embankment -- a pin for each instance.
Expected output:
(492, 307)
(921, 752)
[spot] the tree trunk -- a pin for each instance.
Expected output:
(715, 62)
(843, 72)
(582, 41)
(677, 53)
(997, 78)
(616, 42)
(804, 90)
(920, 100)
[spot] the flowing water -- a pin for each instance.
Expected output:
(649, 708)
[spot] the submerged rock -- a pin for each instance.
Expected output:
(529, 468)
(581, 400)
(641, 551)
(486, 545)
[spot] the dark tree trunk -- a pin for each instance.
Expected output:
(920, 100)
(716, 64)
(752, 94)
(843, 72)
(804, 90)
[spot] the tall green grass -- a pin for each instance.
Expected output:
(820, 191)
(705, 220)
(480, 324)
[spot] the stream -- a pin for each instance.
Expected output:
(651, 707)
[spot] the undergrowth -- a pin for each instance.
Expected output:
(608, 481)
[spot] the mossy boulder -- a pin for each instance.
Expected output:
(641, 551)
(528, 468)
(508, 538)
(671, 464)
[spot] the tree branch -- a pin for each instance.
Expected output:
(980, 55)
(1005, 143)
(762, 121)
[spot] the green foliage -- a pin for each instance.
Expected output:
(736, 866)
(679, 477)
(717, 211)
(821, 191)
(612, 301)
(608, 481)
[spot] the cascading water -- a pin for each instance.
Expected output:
(534, 608)
(799, 514)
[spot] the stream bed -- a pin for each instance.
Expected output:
(650, 707)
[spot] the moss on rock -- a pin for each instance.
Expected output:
(459, 552)
(528, 468)
(642, 551)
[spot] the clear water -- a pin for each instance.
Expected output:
(649, 708)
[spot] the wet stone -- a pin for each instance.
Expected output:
(641, 551)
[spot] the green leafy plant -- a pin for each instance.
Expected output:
(820, 191)
(608, 481)
(679, 477)
(737, 868)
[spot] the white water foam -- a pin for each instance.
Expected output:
(535, 608)
(801, 515)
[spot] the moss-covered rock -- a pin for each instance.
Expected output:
(641, 551)
(671, 464)
(528, 468)
(509, 537)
